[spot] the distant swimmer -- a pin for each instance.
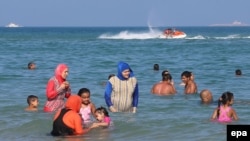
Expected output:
(156, 67)
(31, 66)
(238, 72)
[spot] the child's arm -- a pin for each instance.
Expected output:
(100, 124)
(92, 105)
(234, 115)
(214, 116)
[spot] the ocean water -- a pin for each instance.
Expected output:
(92, 53)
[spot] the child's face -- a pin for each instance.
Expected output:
(35, 103)
(99, 115)
(85, 98)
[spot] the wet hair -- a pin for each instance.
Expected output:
(111, 75)
(238, 72)
(156, 67)
(186, 74)
(30, 64)
(102, 110)
(164, 72)
(225, 97)
(166, 77)
(83, 90)
(31, 98)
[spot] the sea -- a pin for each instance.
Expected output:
(92, 53)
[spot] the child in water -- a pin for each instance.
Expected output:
(87, 108)
(102, 116)
(33, 103)
(224, 112)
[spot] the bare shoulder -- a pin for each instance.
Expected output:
(91, 104)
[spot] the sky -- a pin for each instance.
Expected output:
(123, 12)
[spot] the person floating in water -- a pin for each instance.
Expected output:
(156, 67)
(224, 112)
(31, 66)
(238, 72)
(33, 103)
(102, 117)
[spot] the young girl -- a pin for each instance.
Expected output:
(87, 108)
(102, 117)
(224, 112)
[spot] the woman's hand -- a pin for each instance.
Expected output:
(65, 85)
(112, 109)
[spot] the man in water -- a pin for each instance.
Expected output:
(165, 86)
(190, 85)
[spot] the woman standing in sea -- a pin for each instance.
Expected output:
(57, 89)
(122, 93)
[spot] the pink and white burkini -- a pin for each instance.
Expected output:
(55, 95)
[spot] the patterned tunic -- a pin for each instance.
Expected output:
(122, 93)
(56, 103)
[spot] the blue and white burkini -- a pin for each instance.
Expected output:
(122, 93)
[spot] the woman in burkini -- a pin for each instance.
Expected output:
(121, 92)
(87, 108)
(57, 89)
(68, 121)
(224, 112)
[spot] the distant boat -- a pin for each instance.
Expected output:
(173, 34)
(12, 25)
(235, 23)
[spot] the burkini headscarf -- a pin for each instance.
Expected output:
(74, 103)
(58, 72)
(121, 67)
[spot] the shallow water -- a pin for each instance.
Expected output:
(211, 53)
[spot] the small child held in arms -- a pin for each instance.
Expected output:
(33, 103)
(224, 112)
(102, 117)
(87, 108)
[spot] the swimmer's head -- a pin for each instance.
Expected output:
(167, 77)
(206, 96)
(238, 72)
(111, 75)
(32, 100)
(164, 72)
(31, 65)
(156, 67)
